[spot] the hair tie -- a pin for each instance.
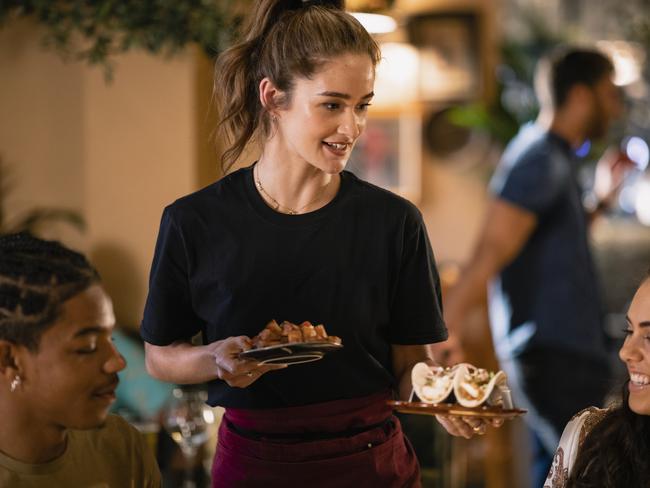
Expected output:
(324, 3)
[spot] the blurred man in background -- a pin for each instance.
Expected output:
(533, 252)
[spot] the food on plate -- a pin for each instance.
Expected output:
(463, 383)
(474, 386)
(432, 385)
(289, 333)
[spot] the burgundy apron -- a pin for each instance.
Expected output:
(356, 443)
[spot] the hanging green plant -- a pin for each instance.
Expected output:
(97, 31)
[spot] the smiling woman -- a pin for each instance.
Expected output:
(295, 237)
(610, 448)
(58, 371)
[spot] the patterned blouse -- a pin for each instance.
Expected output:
(570, 443)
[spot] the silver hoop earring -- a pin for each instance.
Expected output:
(15, 383)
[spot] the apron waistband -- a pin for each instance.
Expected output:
(331, 417)
(388, 423)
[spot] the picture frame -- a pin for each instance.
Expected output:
(450, 61)
(389, 153)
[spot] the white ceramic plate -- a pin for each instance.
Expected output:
(291, 353)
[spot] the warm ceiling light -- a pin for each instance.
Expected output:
(397, 75)
(627, 58)
(376, 23)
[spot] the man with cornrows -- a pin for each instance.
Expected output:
(58, 374)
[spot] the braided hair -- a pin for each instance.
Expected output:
(36, 277)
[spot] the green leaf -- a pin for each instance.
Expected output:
(111, 27)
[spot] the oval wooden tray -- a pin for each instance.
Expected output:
(421, 408)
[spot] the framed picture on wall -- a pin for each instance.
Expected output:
(389, 153)
(450, 67)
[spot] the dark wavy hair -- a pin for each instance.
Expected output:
(616, 453)
(282, 40)
(36, 277)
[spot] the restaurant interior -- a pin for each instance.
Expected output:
(102, 127)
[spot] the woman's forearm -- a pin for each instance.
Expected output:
(404, 358)
(181, 363)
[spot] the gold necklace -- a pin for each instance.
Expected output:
(277, 205)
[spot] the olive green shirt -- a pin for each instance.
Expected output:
(112, 456)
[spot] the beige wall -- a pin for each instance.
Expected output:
(139, 153)
(452, 205)
(41, 125)
(116, 152)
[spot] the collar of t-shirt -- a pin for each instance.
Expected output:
(34, 469)
(267, 213)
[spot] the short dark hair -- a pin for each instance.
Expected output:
(573, 66)
(36, 277)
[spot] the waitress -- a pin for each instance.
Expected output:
(296, 237)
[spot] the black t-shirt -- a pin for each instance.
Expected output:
(225, 264)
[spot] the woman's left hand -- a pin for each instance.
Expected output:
(253, 373)
(238, 373)
(467, 427)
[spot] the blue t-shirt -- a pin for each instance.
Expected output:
(225, 264)
(548, 297)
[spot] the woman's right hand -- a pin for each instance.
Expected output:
(467, 427)
(236, 372)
